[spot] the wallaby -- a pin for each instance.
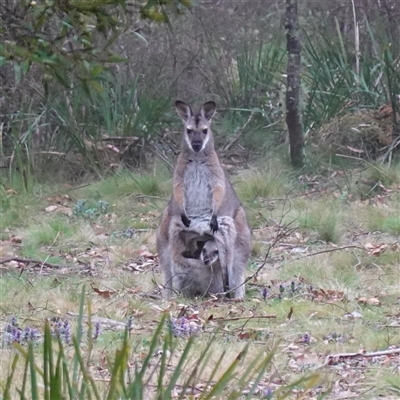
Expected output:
(201, 190)
(200, 186)
(198, 260)
(202, 275)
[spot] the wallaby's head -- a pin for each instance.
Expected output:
(209, 254)
(197, 133)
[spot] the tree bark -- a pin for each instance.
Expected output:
(293, 118)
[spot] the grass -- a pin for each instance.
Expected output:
(324, 219)
(121, 277)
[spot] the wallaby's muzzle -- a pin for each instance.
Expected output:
(197, 145)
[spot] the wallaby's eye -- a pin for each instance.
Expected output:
(189, 131)
(205, 131)
(216, 253)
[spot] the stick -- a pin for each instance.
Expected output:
(335, 357)
(268, 316)
(29, 260)
(104, 321)
(328, 251)
(236, 137)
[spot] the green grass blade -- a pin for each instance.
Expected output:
(213, 373)
(119, 367)
(162, 369)
(226, 377)
(201, 363)
(261, 371)
(78, 337)
(34, 382)
(50, 392)
(7, 393)
(178, 369)
(87, 379)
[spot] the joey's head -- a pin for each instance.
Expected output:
(197, 135)
(209, 254)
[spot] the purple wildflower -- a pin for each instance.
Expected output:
(182, 327)
(96, 330)
(17, 336)
(129, 323)
(268, 393)
(264, 293)
(63, 331)
(306, 338)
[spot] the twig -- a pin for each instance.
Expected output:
(104, 321)
(268, 316)
(279, 236)
(29, 261)
(117, 138)
(141, 195)
(335, 357)
(161, 156)
(239, 132)
(328, 251)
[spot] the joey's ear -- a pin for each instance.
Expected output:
(184, 111)
(207, 110)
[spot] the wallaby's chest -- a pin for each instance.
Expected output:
(198, 183)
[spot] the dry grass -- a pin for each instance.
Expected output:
(113, 254)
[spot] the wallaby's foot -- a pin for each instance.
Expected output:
(214, 224)
(185, 220)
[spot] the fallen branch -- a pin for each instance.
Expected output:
(268, 316)
(239, 132)
(104, 321)
(335, 357)
(31, 261)
(328, 251)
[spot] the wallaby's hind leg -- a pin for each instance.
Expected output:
(242, 250)
(164, 253)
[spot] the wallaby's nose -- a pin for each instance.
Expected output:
(206, 260)
(196, 145)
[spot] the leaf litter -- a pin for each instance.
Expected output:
(274, 312)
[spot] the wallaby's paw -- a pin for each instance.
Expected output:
(214, 224)
(185, 220)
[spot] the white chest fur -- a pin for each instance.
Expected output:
(198, 189)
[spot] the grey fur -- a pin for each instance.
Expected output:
(203, 214)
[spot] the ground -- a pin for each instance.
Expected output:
(324, 275)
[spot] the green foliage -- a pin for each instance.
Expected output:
(49, 232)
(332, 85)
(261, 184)
(70, 39)
(58, 376)
(259, 76)
(324, 219)
(118, 111)
(90, 210)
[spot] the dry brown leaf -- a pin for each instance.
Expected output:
(373, 301)
(145, 253)
(375, 249)
(106, 294)
(15, 239)
(327, 295)
(63, 200)
(65, 211)
(51, 208)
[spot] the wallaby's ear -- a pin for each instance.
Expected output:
(207, 110)
(184, 111)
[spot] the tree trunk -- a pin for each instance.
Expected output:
(293, 119)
